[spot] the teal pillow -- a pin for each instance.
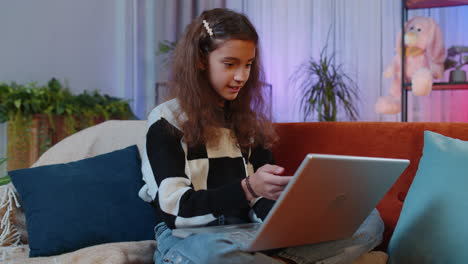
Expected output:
(432, 226)
(84, 203)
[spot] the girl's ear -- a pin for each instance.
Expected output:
(201, 65)
(202, 61)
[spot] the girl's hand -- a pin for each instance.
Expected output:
(267, 182)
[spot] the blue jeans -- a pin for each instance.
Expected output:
(218, 248)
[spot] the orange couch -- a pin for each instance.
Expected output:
(378, 139)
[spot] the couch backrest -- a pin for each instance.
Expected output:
(378, 139)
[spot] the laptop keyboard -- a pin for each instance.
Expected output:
(242, 234)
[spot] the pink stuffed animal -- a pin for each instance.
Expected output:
(424, 60)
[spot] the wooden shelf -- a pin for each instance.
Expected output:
(416, 4)
(444, 86)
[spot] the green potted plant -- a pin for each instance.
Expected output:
(325, 88)
(456, 60)
(40, 116)
(4, 179)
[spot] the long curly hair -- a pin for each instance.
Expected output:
(199, 102)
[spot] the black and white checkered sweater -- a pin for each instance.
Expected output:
(197, 186)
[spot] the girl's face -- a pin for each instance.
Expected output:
(229, 67)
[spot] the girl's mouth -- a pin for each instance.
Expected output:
(234, 89)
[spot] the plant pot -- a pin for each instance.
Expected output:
(27, 141)
(457, 76)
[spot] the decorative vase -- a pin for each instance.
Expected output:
(457, 76)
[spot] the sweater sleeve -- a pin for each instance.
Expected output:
(259, 157)
(176, 200)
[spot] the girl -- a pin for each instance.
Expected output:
(207, 156)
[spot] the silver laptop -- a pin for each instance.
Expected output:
(328, 198)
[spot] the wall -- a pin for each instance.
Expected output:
(69, 40)
(90, 44)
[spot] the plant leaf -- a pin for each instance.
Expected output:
(18, 103)
(5, 180)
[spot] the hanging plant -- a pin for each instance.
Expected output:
(46, 114)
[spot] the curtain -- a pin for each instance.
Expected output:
(362, 33)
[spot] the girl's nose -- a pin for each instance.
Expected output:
(241, 75)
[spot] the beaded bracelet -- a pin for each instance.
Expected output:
(252, 192)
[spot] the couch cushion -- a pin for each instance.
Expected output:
(432, 228)
(83, 203)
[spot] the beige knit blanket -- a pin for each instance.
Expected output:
(124, 252)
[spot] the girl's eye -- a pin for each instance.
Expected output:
(249, 65)
(228, 65)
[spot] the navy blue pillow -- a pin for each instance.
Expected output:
(84, 203)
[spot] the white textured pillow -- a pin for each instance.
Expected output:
(96, 140)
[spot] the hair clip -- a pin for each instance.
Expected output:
(207, 27)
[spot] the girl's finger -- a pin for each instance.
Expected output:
(278, 180)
